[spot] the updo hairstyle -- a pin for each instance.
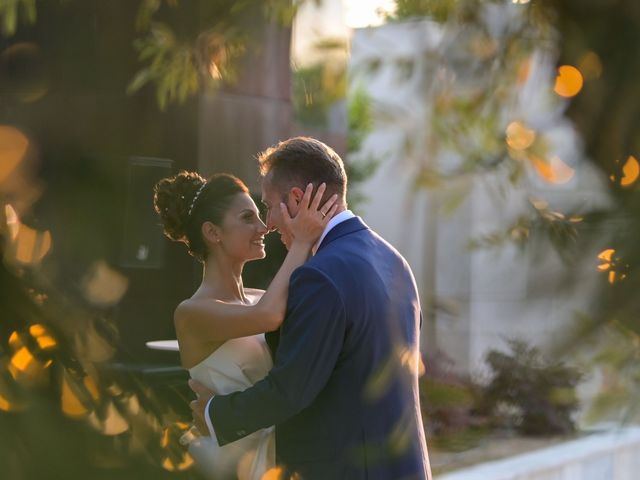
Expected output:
(186, 200)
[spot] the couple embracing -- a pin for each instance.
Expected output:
(331, 390)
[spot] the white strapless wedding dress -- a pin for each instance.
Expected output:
(236, 365)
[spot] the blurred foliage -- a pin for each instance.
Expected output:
(560, 230)
(176, 62)
(476, 111)
(12, 12)
(180, 65)
(66, 411)
(601, 39)
(321, 85)
(320, 90)
(529, 393)
(470, 80)
(439, 10)
(360, 123)
(448, 402)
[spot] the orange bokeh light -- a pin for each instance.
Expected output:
(631, 171)
(568, 82)
(606, 254)
(554, 171)
(169, 464)
(44, 339)
(519, 137)
(13, 146)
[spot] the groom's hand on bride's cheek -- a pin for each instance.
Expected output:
(203, 394)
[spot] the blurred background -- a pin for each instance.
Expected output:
(494, 143)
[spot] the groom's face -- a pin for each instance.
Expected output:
(272, 196)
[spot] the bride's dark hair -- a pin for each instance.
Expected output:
(186, 200)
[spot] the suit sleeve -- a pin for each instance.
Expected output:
(311, 339)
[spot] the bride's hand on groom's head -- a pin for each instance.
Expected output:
(311, 218)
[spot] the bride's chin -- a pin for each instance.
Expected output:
(260, 255)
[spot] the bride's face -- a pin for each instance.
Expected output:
(241, 234)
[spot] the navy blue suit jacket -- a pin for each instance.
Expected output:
(343, 391)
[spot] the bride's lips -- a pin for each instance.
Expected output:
(259, 242)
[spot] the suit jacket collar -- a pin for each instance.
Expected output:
(352, 225)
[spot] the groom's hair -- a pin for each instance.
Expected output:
(302, 160)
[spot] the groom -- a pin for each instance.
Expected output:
(343, 391)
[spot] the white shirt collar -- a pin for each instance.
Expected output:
(337, 219)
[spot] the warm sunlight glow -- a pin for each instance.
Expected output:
(166, 437)
(214, 71)
(112, 424)
(26, 368)
(568, 82)
(274, 473)
(14, 341)
(71, 404)
(630, 171)
(608, 265)
(519, 137)
(31, 245)
(13, 223)
(520, 2)
(45, 341)
(22, 359)
(5, 405)
(91, 387)
(555, 171)
(103, 285)
(606, 254)
(169, 464)
(133, 405)
(411, 360)
(13, 146)
(367, 13)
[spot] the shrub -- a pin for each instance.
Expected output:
(448, 402)
(530, 394)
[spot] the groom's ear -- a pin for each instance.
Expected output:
(295, 195)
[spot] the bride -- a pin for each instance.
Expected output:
(220, 328)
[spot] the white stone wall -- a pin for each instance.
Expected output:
(612, 455)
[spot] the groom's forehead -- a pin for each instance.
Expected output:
(268, 188)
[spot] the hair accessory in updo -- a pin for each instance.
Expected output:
(195, 198)
(175, 199)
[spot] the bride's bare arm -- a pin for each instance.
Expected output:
(214, 320)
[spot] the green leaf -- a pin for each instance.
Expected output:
(10, 19)
(141, 79)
